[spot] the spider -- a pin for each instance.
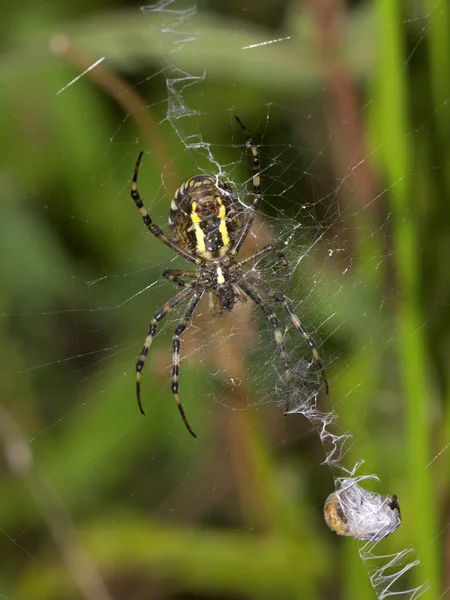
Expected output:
(208, 226)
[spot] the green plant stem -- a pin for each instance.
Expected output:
(397, 159)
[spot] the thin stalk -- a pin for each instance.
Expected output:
(393, 127)
(439, 59)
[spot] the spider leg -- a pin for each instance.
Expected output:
(268, 250)
(176, 275)
(309, 340)
(286, 303)
(273, 320)
(160, 314)
(256, 168)
(190, 308)
(239, 294)
(152, 227)
(213, 305)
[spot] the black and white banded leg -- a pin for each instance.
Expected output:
(152, 227)
(273, 321)
(190, 308)
(286, 303)
(256, 179)
(307, 337)
(264, 252)
(176, 275)
(160, 314)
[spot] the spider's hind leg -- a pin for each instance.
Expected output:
(273, 321)
(192, 305)
(176, 275)
(240, 296)
(158, 316)
(285, 302)
(309, 340)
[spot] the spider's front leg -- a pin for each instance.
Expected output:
(152, 227)
(256, 180)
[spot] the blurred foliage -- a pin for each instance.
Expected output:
(237, 513)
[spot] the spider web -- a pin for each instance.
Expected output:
(85, 443)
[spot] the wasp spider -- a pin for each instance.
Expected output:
(208, 226)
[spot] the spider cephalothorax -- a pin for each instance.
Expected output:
(209, 224)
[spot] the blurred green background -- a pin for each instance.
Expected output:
(351, 112)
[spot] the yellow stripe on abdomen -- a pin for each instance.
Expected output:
(223, 229)
(199, 234)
